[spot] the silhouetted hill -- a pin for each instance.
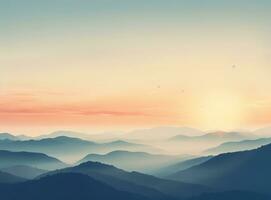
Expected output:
(38, 160)
(126, 181)
(68, 149)
(238, 146)
(232, 195)
(9, 178)
(134, 161)
(182, 165)
(64, 187)
(24, 171)
(247, 170)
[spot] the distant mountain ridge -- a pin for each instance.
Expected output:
(39, 160)
(69, 149)
(238, 146)
(4, 136)
(97, 137)
(162, 133)
(135, 161)
(214, 136)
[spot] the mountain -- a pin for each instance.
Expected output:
(24, 171)
(8, 136)
(69, 149)
(9, 159)
(142, 184)
(232, 195)
(103, 136)
(247, 170)
(134, 161)
(4, 136)
(197, 144)
(161, 133)
(219, 136)
(238, 146)
(182, 165)
(71, 134)
(64, 186)
(9, 178)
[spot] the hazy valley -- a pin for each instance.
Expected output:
(135, 167)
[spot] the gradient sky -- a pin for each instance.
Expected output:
(123, 64)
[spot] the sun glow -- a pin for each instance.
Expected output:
(222, 111)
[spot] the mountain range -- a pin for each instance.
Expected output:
(4, 136)
(238, 146)
(60, 186)
(70, 149)
(38, 160)
(218, 136)
(142, 184)
(117, 169)
(161, 133)
(135, 161)
(246, 170)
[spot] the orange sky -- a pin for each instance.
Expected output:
(132, 64)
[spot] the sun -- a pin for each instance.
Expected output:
(221, 111)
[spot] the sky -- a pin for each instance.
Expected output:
(124, 64)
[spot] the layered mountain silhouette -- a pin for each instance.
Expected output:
(142, 184)
(242, 175)
(197, 144)
(8, 136)
(69, 149)
(68, 186)
(101, 137)
(238, 146)
(182, 165)
(219, 136)
(247, 170)
(134, 161)
(38, 160)
(9, 178)
(24, 171)
(162, 133)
